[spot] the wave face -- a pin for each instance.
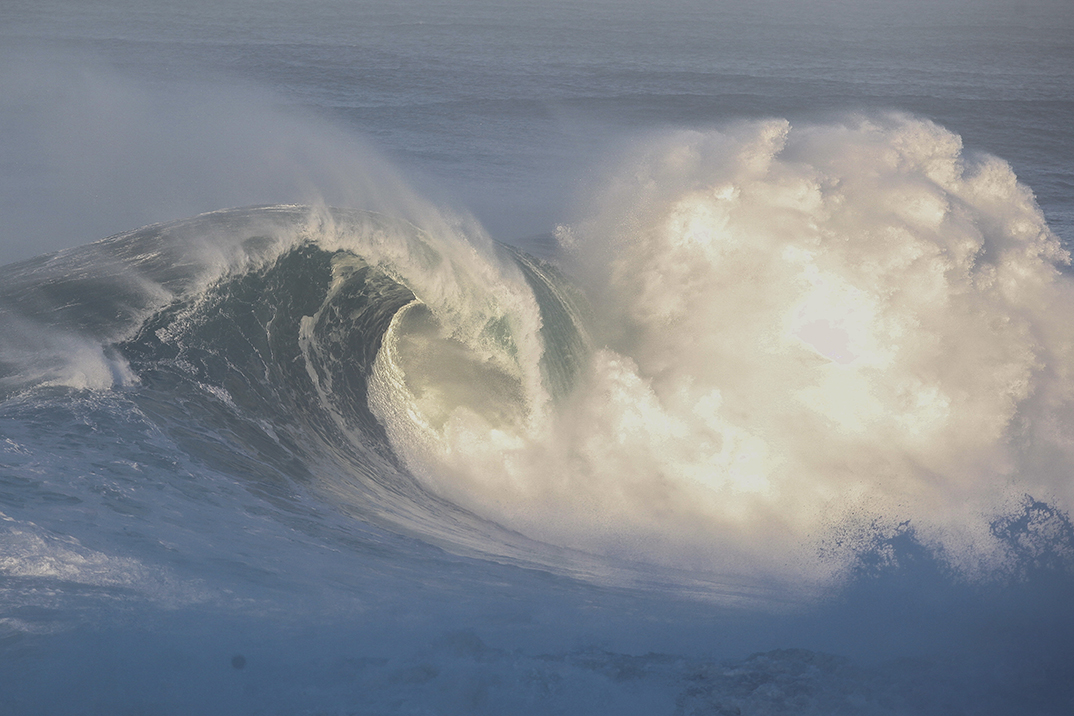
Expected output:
(249, 337)
(772, 368)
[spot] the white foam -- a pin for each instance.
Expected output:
(52, 358)
(45, 560)
(803, 326)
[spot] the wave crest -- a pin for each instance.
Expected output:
(773, 339)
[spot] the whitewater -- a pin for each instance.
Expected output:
(768, 413)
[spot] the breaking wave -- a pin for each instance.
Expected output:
(762, 352)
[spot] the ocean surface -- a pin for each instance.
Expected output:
(536, 358)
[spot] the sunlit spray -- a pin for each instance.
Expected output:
(799, 328)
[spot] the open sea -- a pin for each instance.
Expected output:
(486, 357)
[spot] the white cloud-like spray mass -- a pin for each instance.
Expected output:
(804, 329)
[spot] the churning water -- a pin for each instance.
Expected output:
(693, 360)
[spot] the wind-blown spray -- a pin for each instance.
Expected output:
(799, 330)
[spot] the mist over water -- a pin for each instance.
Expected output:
(102, 152)
(699, 359)
(503, 111)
